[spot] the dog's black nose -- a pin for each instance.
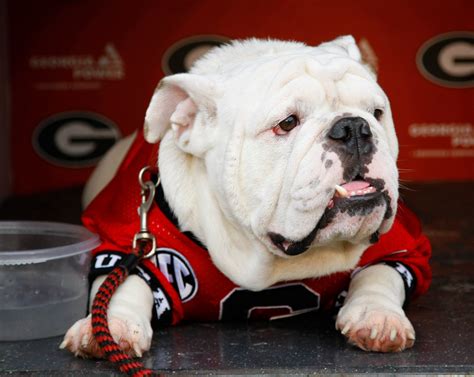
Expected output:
(354, 134)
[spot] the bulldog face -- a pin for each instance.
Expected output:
(297, 142)
(325, 168)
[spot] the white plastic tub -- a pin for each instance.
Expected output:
(43, 277)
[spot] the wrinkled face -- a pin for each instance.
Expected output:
(311, 158)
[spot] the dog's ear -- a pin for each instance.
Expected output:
(176, 103)
(361, 52)
(345, 45)
(368, 56)
(349, 45)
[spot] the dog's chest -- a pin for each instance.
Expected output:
(206, 294)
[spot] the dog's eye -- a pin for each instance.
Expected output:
(378, 114)
(286, 125)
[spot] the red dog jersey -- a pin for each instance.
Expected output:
(187, 285)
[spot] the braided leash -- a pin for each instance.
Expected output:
(144, 246)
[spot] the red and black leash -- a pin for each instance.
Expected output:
(144, 245)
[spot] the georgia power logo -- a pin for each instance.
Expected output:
(74, 139)
(107, 66)
(180, 56)
(178, 272)
(448, 59)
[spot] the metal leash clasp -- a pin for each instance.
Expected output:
(144, 238)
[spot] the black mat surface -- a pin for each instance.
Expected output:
(443, 318)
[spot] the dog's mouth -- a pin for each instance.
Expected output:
(352, 190)
(358, 197)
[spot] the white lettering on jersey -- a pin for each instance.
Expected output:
(178, 271)
(161, 303)
(106, 260)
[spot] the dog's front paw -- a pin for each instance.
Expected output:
(375, 326)
(133, 337)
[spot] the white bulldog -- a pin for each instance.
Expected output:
(285, 159)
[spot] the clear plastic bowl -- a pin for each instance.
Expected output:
(43, 277)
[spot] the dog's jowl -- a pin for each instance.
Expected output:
(277, 163)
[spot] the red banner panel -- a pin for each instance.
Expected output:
(82, 72)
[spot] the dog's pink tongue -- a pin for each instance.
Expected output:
(356, 185)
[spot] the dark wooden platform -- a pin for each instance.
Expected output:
(443, 319)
